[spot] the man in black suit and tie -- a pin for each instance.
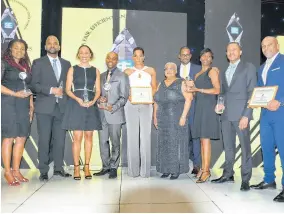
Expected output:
(188, 69)
(48, 82)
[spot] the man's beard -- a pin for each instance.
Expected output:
(52, 51)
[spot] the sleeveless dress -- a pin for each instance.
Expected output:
(15, 119)
(77, 117)
(206, 121)
(139, 124)
(172, 146)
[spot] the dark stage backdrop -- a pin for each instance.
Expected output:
(240, 21)
(217, 15)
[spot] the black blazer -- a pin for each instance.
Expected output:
(43, 78)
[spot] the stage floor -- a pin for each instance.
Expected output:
(126, 194)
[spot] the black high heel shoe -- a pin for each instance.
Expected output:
(77, 178)
(89, 176)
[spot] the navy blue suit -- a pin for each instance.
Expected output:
(272, 122)
(194, 144)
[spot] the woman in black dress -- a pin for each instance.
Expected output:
(16, 108)
(206, 121)
(170, 117)
(81, 114)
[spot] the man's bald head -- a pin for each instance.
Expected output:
(52, 45)
(269, 46)
(111, 60)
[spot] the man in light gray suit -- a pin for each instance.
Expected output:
(238, 82)
(112, 114)
(48, 83)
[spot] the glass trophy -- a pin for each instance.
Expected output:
(220, 105)
(23, 76)
(61, 87)
(106, 87)
(188, 78)
(85, 95)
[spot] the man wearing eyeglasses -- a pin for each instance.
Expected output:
(188, 70)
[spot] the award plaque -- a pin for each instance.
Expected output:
(261, 96)
(141, 95)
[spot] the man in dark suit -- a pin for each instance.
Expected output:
(187, 69)
(48, 82)
(238, 82)
(112, 115)
(271, 73)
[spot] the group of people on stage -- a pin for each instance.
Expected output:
(185, 112)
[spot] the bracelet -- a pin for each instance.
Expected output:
(202, 90)
(183, 117)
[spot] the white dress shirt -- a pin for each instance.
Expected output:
(181, 69)
(268, 63)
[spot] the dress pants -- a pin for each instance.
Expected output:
(229, 131)
(49, 127)
(271, 136)
(110, 132)
(138, 124)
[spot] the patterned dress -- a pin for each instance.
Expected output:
(173, 139)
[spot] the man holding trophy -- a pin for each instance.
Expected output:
(115, 92)
(238, 82)
(49, 74)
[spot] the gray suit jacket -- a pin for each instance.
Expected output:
(43, 78)
(239, 92)
(117, 96)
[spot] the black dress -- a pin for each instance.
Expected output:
(206, 121)
(77, 117)
(172, 147)
(15, 118)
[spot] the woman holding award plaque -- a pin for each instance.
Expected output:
(81, 114)
(206, 121)
(16, 108)
(138, 115)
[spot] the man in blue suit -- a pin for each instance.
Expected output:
(188, 69)
(271, 73)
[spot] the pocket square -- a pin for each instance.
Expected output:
(275, 69)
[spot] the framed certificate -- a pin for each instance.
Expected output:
(262, 95)
(141, 95)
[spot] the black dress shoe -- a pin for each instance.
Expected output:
(223, 179)
(174, 176)
(245, 186)
(112, 173)
(195, 171)
(264, 185)
(43, 177)
(280, 197)
(62, 173)
(102, 172)
(165, 175)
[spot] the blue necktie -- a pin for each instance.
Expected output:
(54, 66)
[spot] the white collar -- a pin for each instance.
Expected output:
(51, 58)
(188, 64)
(271, 59)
